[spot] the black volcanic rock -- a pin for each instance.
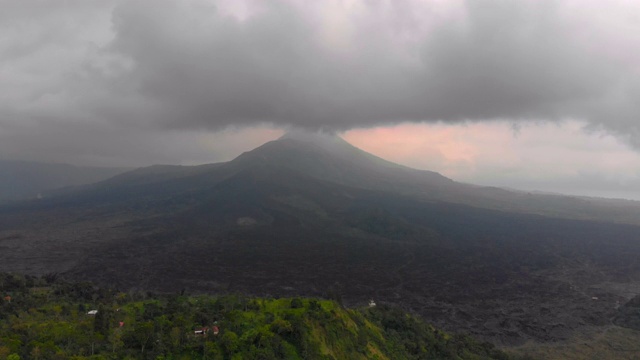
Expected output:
(629, 314)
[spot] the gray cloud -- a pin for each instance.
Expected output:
(501, 60)
(112, 70)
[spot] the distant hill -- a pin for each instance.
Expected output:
(23, 179)
(310, 215)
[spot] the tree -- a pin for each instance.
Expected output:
(143, 333)
(211, 350)
(176, 337)
(229, 342)
(281, 327)
(4, 352)
(116, 340)
(100, 324)
(296, 303)
(36, 352)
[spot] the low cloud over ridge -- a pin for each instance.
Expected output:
(139, 67)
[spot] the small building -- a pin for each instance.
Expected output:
(201, 331)
(92, 312)
(7, 298)
(216, 330)
(372, 303)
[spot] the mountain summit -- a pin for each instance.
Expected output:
(325, 140)
(329, 158)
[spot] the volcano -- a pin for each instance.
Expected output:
(309, 214)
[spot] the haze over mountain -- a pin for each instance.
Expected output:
(23, 179)
(312, 215)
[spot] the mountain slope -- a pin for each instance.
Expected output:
(329, 158)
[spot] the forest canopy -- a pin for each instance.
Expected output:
(50, 318)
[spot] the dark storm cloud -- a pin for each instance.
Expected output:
(103, 76)
(499, 59)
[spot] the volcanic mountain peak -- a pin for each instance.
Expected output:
(328, 157)
(312, 144)
(319, 138)
(334, 145)
(321, 158)
(305, 148)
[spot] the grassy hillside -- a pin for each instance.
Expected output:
(46, 318)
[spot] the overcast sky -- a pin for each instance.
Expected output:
(528, 94)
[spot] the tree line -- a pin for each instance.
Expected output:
(50, 318)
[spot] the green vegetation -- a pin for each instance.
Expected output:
(49, 318)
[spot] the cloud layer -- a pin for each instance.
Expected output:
(104, 77)
(369, 63)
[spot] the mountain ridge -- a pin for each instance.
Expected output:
(330, 158)
(21, 180)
